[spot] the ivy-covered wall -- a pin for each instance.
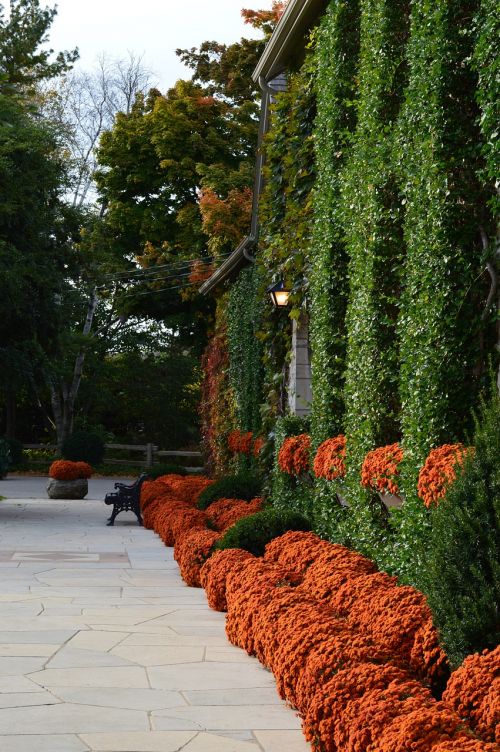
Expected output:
(244, 314)
(388, 261)
(378, 213)
(285, 217)
(439, 160)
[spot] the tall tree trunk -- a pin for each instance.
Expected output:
(63, 396)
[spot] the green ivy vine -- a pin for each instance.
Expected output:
(244, 312)
(372, 222)
(439, 158)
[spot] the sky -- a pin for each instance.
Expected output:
(155, 28)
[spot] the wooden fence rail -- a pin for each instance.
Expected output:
(150, 452)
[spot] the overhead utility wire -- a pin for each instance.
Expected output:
(172, 265)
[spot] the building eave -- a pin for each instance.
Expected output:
(298, 19)
(228, 268)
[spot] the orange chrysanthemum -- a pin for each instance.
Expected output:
(329, 462)
(473, 691)
(439, 471)
(293, 456)
(67, 470)
(380, 469)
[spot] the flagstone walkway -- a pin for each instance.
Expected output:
(103, 647)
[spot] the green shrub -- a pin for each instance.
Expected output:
(164, 469)
(17, 456)
(5, 457)
(461, 577)
(84, 446)
(254, 533)
(244, 485)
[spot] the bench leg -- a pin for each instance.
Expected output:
(138, 515)
(111, 520)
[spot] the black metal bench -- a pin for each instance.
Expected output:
(126, 499)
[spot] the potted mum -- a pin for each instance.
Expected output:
(68, 480)
(380, 473)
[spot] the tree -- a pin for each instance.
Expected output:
(84, 105)
(23, 60)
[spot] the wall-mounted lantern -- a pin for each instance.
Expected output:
(279, 295)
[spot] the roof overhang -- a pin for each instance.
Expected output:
(287, 39)
(284, 48)
(229, 268)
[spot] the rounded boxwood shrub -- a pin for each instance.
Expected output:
(164, 469)
(244, 485)
(255, 532)
(84, 446)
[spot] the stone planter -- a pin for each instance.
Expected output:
(67, 489)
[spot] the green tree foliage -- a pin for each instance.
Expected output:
(225, 69)
(145, 393)
(36, 230)
(461, 569)
(24, 58)
(150, 160)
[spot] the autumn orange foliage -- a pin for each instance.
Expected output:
(67, 470)
(293, 456)
(329, 461)
(439, 472)
(473, 691)
(380, 469)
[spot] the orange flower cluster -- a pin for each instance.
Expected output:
(223, 513)
(169, 509)
(244, 443)
(329, 461)
(439, 472)
(151, 490)
(348, 645)
(258, 445)
(295, 550)
(293, 456)
(187, 488)
(473, 691)
(380, 469)
(214, 573)
(191, 551)
(67, 470)
(245, 589)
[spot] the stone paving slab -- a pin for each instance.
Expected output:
(103, 648)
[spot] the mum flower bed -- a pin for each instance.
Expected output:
(354, 652)
(67, 470)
